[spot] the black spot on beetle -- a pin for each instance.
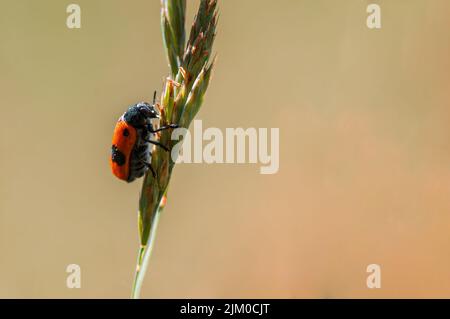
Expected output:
(117, 156)
(126, 132)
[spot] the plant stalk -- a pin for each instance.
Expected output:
(181, 99)
(144, 255)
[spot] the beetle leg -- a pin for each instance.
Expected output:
(162, 128)
(151, 168)
(158, 144)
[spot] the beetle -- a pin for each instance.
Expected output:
(134, 133)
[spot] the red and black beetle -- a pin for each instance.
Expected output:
(134, 132)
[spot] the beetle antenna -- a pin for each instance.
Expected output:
(154, 97)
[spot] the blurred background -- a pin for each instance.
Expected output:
(364, 152)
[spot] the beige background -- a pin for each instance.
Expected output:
(365, 152)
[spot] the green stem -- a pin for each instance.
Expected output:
(143, 258)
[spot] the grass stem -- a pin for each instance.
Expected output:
(191, 66)
(144, 255)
